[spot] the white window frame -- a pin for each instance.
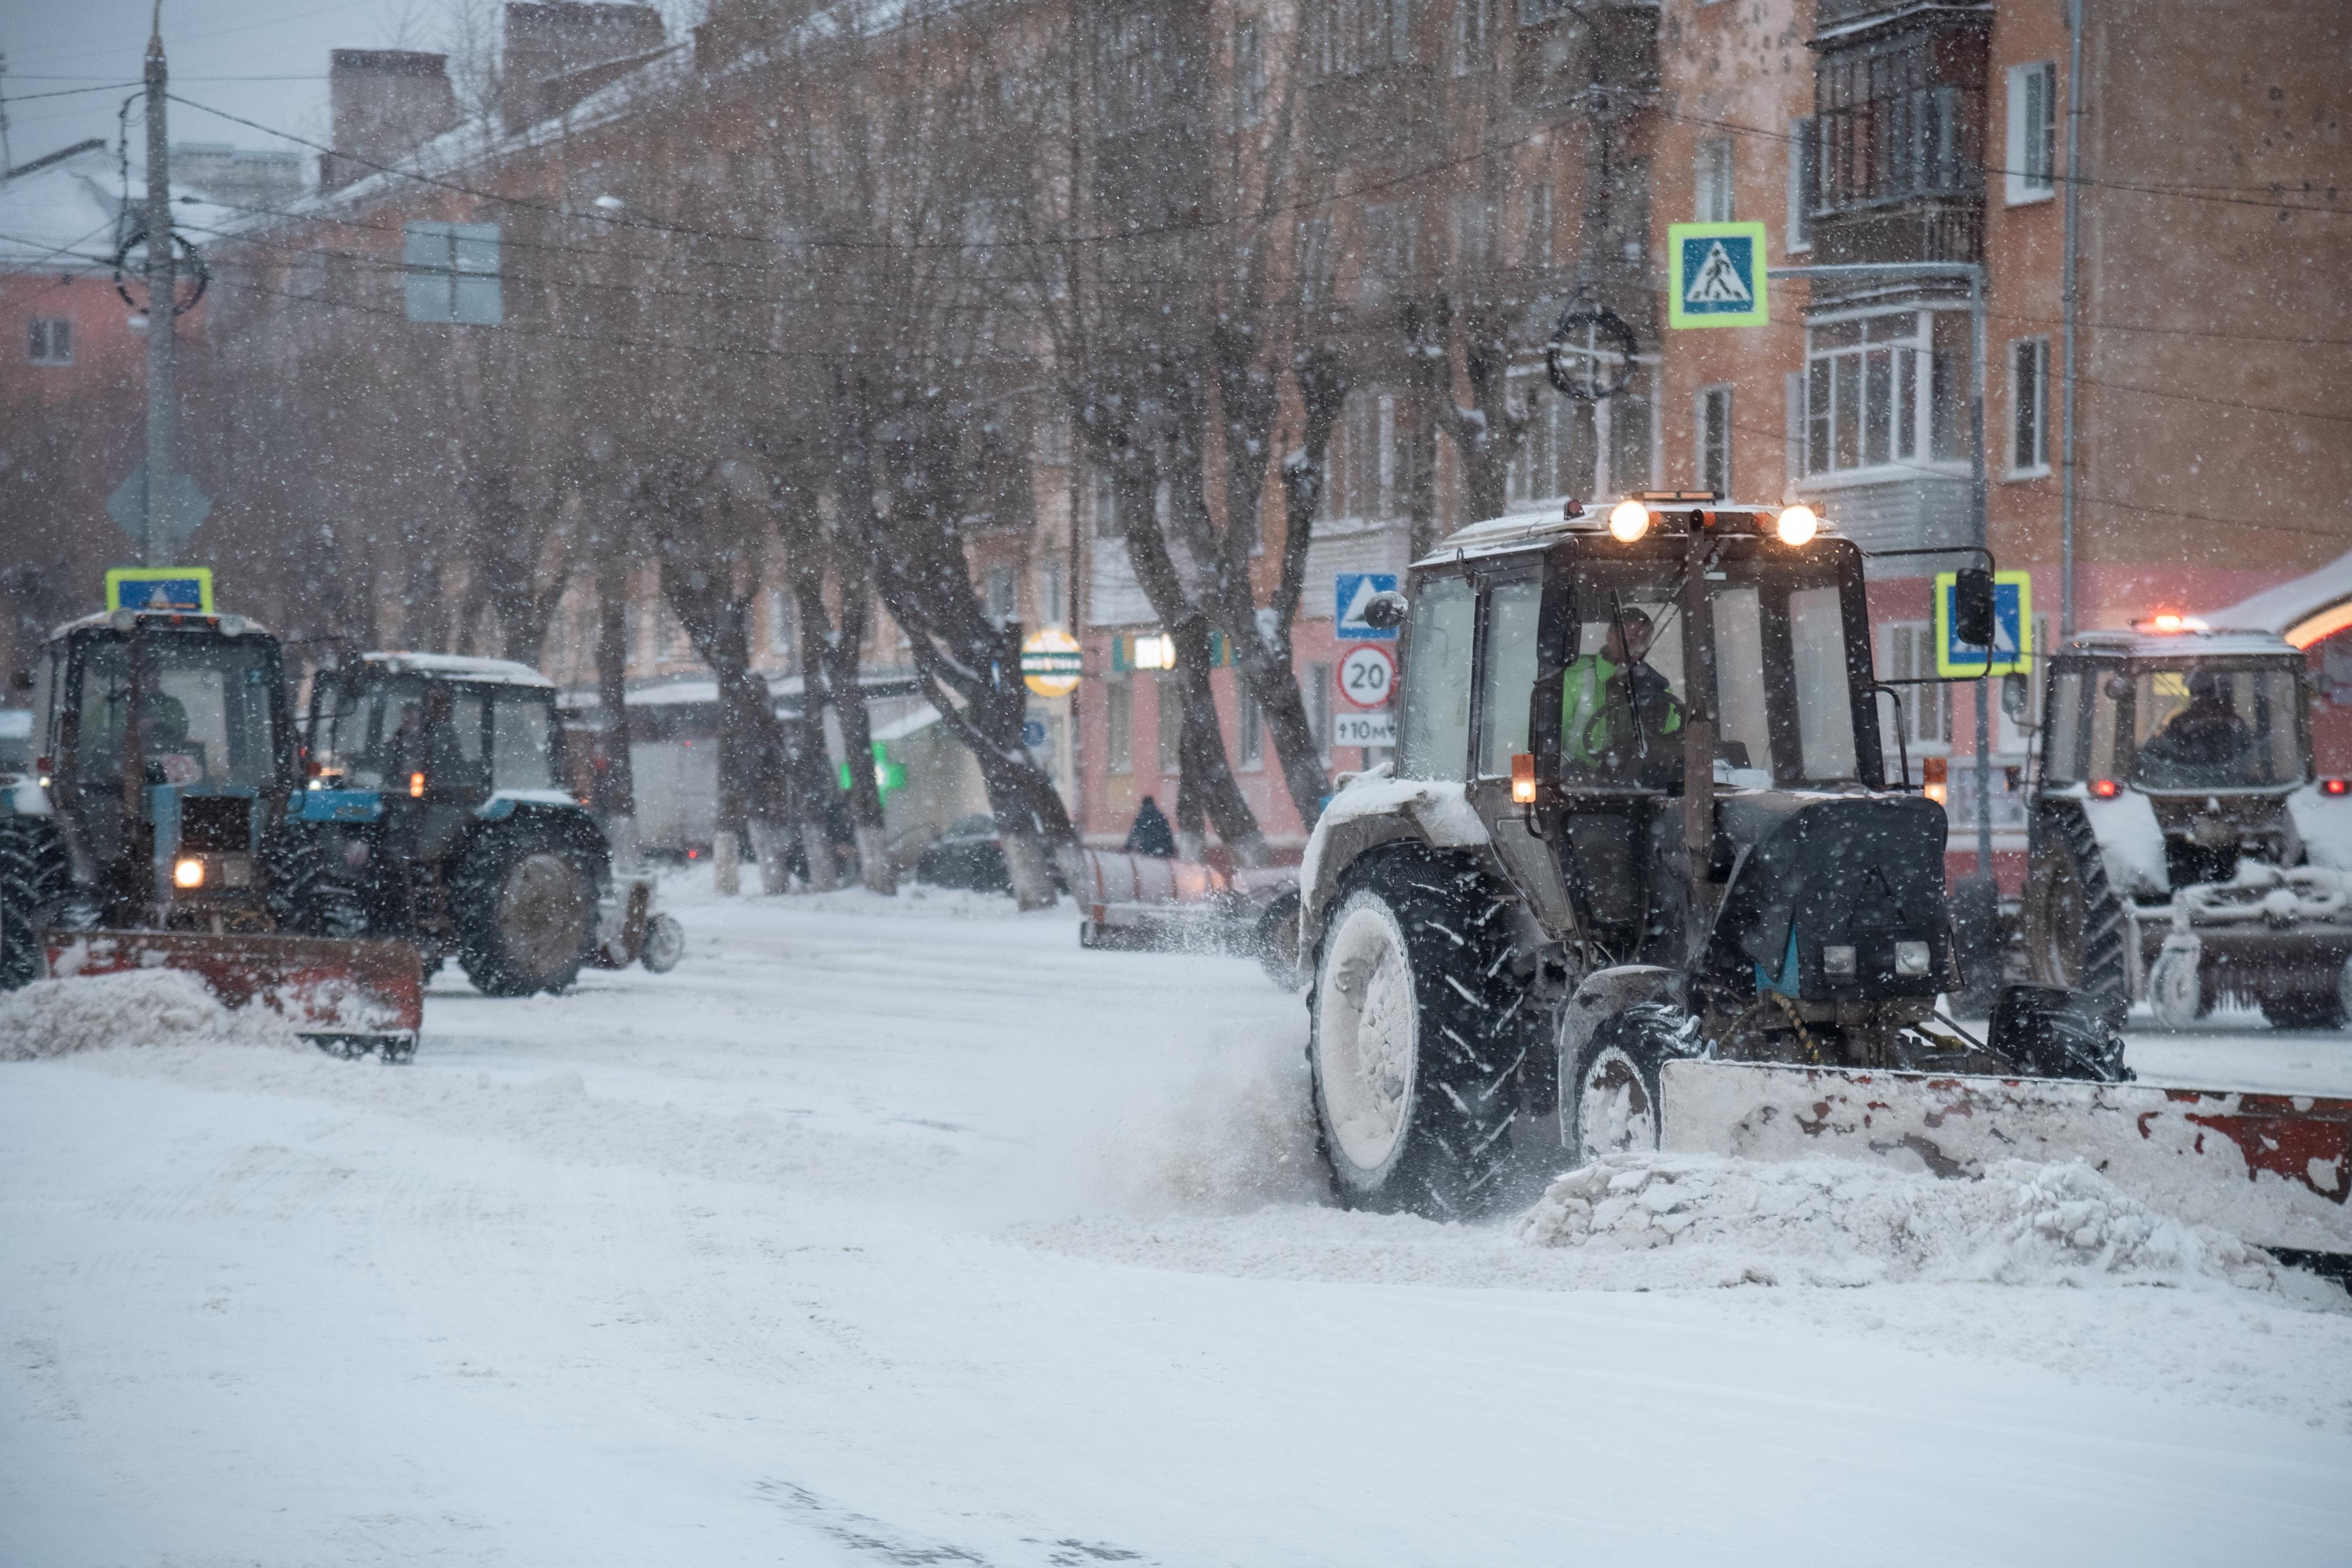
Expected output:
(1804, 165)
(1249, 728)
(1908, 652)
(2034, 464)
(1914, 409)
(1711, 426)
(780, 622)
(2029, 171)
(1315, 691)
(1558, 414)
(1713, 174)
(42, 335)
(1249, 73)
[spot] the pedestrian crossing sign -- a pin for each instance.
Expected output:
(1718, 275)
(2011, 653)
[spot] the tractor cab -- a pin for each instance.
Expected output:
(434, 727)
(166, 744)
(2182, 851)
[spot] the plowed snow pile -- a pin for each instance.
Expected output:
(1832, 1222)
(138, 1007)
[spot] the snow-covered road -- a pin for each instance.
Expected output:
(912, 1234)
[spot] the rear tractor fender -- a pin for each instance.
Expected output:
(565, 823)
(1373, 813)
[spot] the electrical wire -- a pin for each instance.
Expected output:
(62, 93)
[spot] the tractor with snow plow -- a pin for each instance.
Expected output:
(436, 783)
(2181, 851)
(161, 828)
(1639, 880)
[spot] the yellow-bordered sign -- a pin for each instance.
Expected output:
(1718, 275)
(2012, 628)
(186, 589)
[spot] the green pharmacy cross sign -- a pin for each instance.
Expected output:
(1718, 275)
(888, 775)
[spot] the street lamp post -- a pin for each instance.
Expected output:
(162, 403)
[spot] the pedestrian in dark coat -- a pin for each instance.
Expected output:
(1150, 835)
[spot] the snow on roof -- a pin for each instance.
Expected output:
(458, 667)
(2282, 609)
(16, 723)
(63, 212)
(2188, 644)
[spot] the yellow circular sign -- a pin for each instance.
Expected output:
(1050, 663)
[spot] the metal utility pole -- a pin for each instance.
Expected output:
(162, 395)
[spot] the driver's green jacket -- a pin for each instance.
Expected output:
(1584, 697)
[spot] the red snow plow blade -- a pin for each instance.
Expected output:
(2271, 1169)
(348, 997)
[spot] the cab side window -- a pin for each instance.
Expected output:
(1434, 742)
(1509, 681)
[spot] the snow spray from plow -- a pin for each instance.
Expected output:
(348, 996)
(2272, 1169)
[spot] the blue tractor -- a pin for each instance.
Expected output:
(438, 784)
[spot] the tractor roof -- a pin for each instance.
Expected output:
(458, 667)
(186, 620)
(2188, 642)
(1532, 529)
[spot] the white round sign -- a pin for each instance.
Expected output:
(1367, 677)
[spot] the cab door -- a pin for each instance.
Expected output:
(1511, 673)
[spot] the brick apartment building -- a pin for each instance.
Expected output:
(1450, 176)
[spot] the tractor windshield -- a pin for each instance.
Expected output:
(1784, 702)
(2215, 727)
(206, 715)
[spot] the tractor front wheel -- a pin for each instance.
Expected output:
(525, 904)
(2074, 931)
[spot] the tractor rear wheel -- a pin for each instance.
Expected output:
(2074, 931)
(1416, 1034)
(35, 873)
(525, 905)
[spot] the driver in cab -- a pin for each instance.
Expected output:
(2205, 735)
(1616, 709)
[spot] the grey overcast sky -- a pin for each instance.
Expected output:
(216, 48)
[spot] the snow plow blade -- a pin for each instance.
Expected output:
(2269, 1169)
(349, 998)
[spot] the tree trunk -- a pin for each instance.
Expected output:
(1203, 756)
(842, 657)
(617, 794)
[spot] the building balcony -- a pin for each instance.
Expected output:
(1940, 227)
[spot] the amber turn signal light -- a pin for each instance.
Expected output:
(417, 786)
(1523, 779)
(1934, 779)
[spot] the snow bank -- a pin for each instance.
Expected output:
(1844, 1222)
(137, 1006)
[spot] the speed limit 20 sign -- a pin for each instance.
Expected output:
(1367, 677)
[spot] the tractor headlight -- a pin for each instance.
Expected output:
(1911, 958)
(1837, 961)
(1628, 521)
(1798, 524)
(187, 871)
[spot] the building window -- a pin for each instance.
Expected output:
(1348, 37)
(1052, 435)
(1473, 231)
(453, 274)
(1052, 586)
(1249, 73)
(1251, 724)
(1391, 242)
(2030, 172)
(1473, 20)
(2029, 403)
(1715, 440)
(1863, 383)
(1105, 506)
(1804, 183)
(1003, 595)
(1889, 132)
(1582, 449)
(1119, 731)
(780, 622)
(1539, 225)
(1711, 174)
(1172, 725)
(50, 340)
(1315, 690)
